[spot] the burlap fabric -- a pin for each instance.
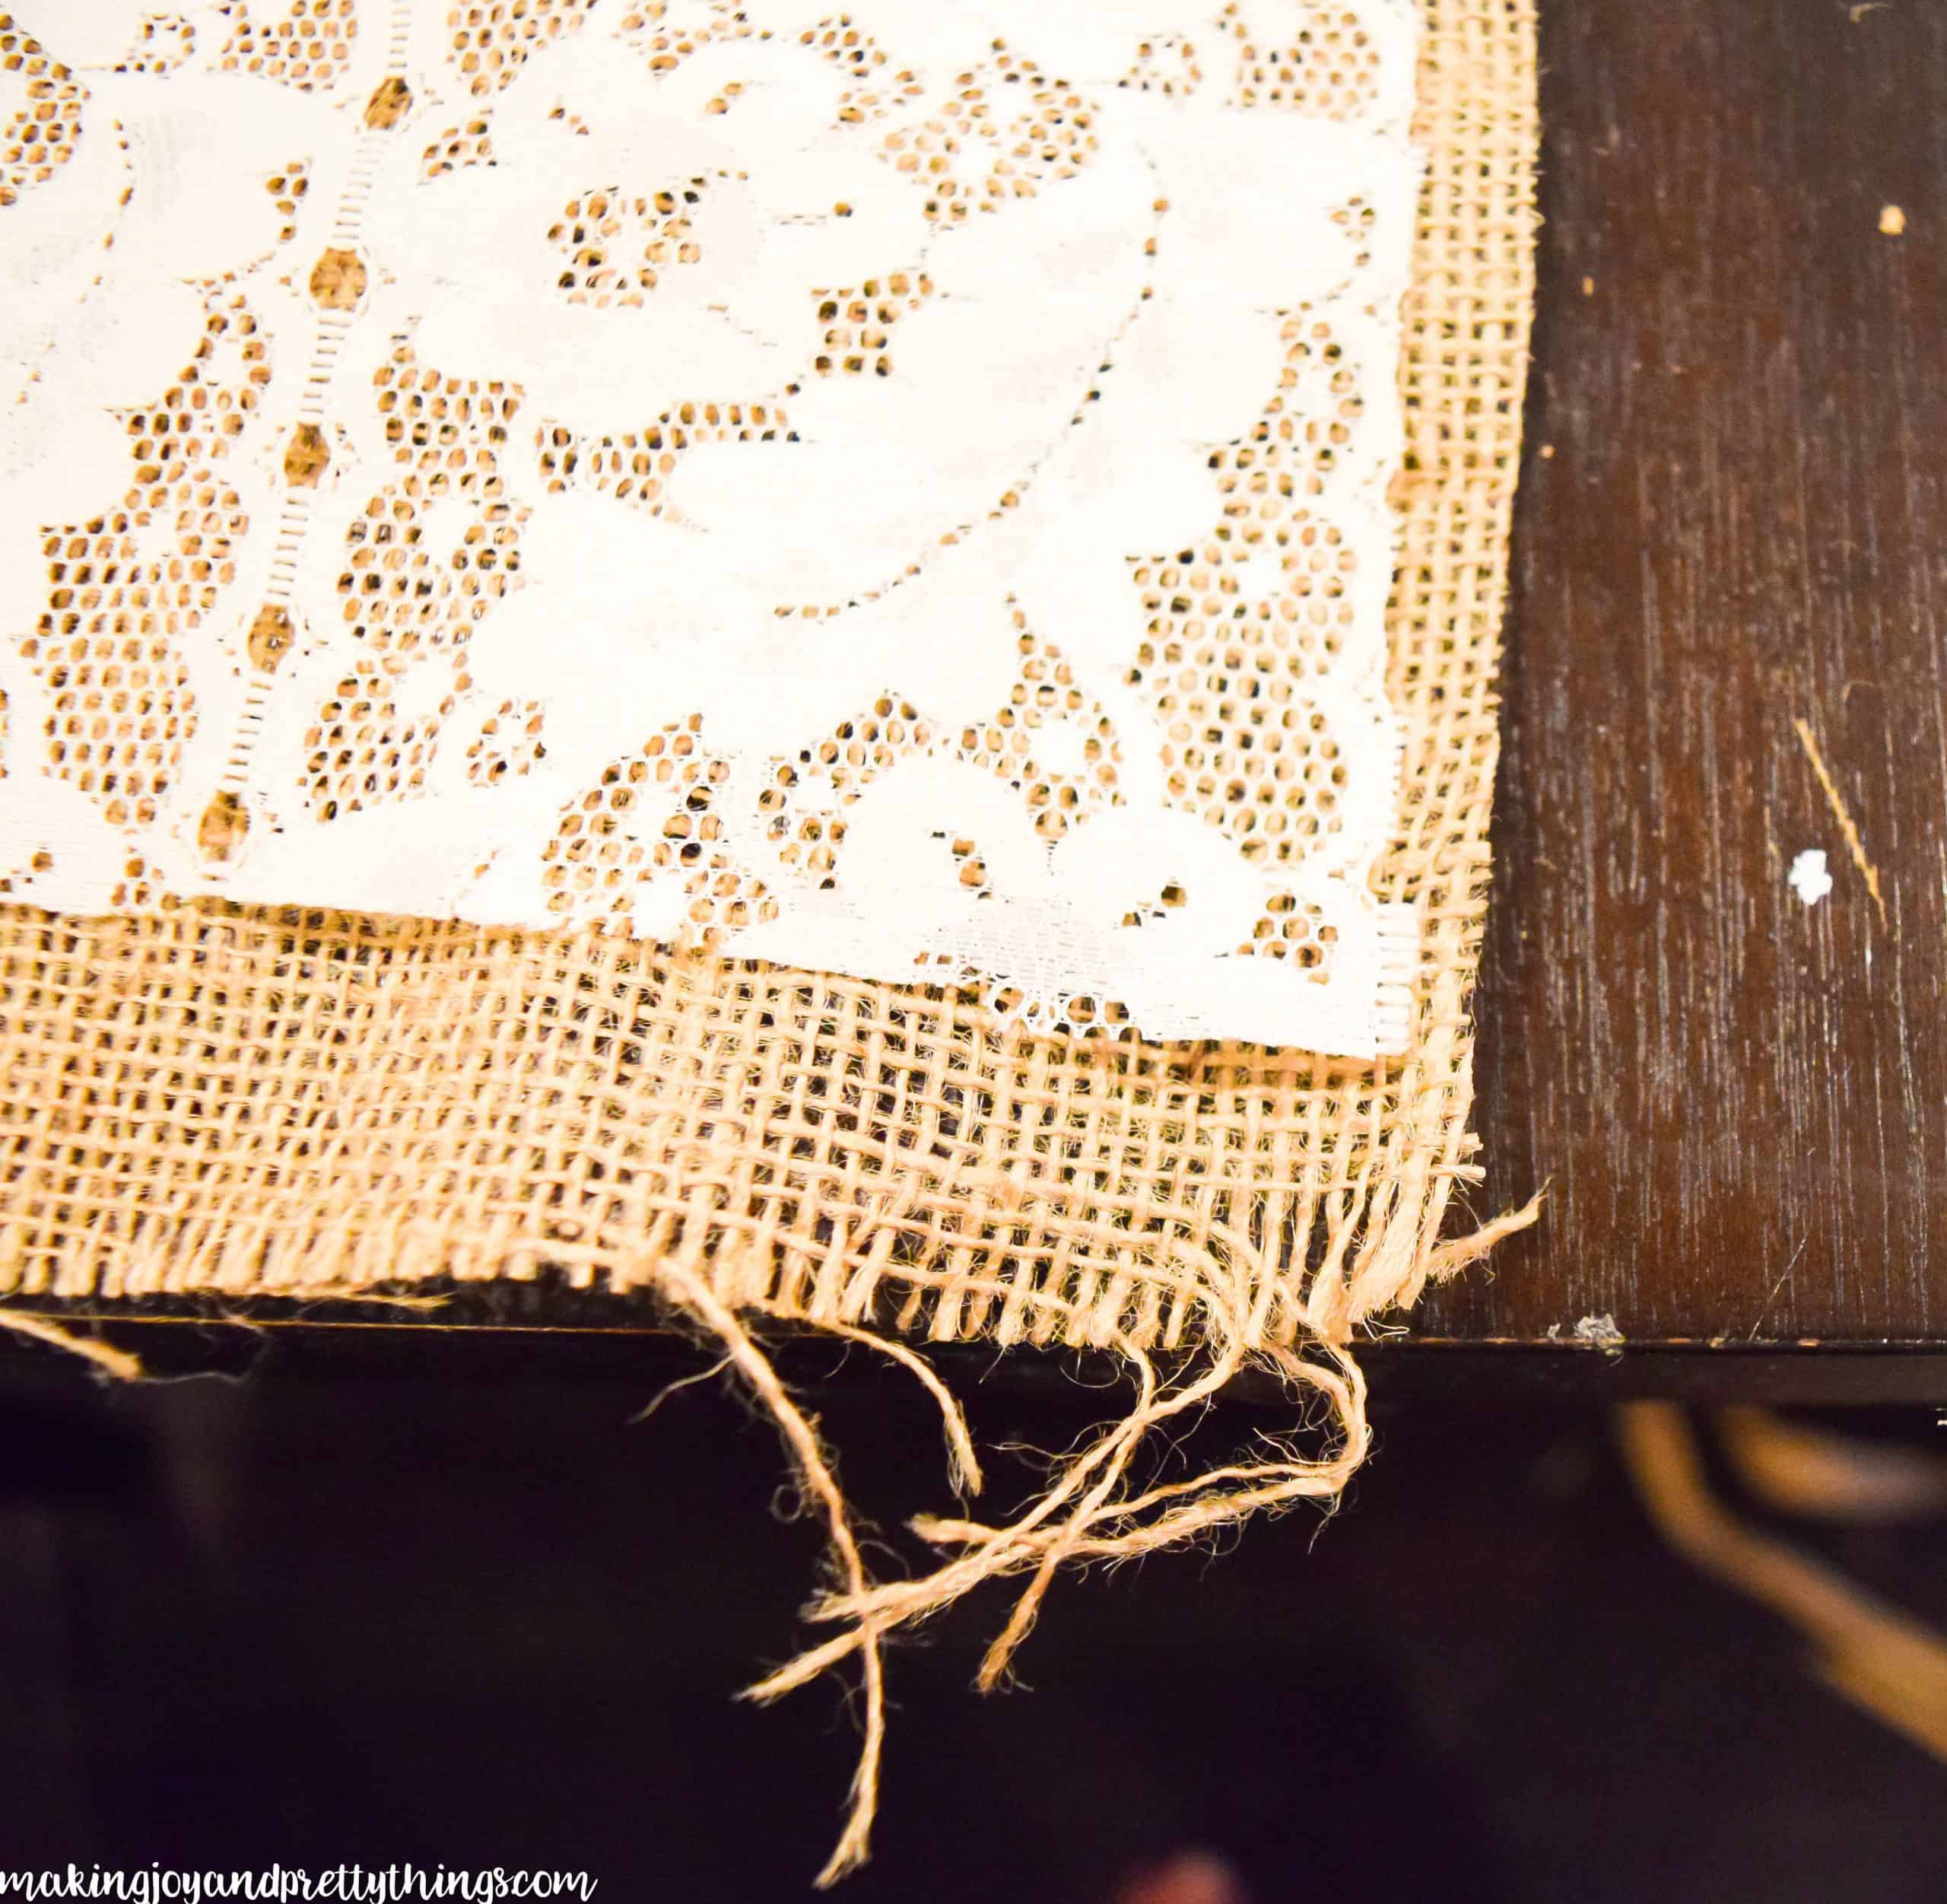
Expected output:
(212, 1099)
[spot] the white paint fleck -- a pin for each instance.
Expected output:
(1808, 877)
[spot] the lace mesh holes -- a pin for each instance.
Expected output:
(613, 247)
(858, 323)
(971, 869)
(651, 817)
(509, 744)
(427, 558)
(804, 805)
(967, 156)
(491, 39)
(633, 467)
(1292, 931)
(287, 188)
(1287, 596)
(165, 42)
(128, 589)
(14, 883)
(456, 148)
(668, 48)
(436, 547)
(39, 138)
(1167, 65)
(873, 91)
(308, 49)
(1050, 741)
(359, 753)
(1356, 217)
(1330, 69)
(1051, 138)
(1292, 451)
(1246, 748)
(141, 887)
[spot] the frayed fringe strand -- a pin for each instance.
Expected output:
(117, 1362)
(1087, 1513)
(694, 1295)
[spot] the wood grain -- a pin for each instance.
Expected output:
(1733, 518)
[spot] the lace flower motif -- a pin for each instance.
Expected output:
(618, 262)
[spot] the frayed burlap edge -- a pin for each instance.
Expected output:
(257, 1102)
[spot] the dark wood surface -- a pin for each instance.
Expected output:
(1733, 518)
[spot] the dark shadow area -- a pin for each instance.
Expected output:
(497, 1624)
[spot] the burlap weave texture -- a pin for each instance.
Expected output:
(253, 1101)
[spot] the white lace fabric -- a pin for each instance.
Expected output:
(901, 491)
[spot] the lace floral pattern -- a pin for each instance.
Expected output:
(901, 490)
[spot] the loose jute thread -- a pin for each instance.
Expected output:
(111, 1361)
(1084, 1515)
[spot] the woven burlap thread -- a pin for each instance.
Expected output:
(251, 1103)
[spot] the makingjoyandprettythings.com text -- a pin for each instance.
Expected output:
(352, 1883)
